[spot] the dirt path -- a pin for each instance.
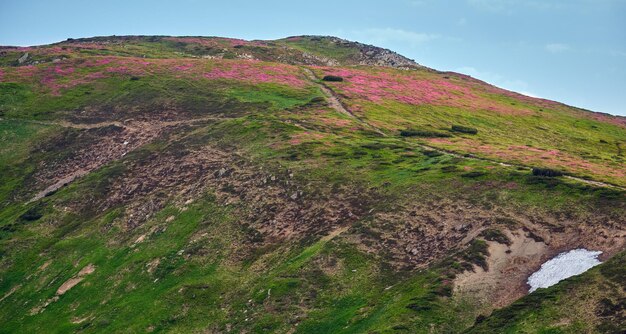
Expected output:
(130, 125)
(335, 233)
(66, 124)
(59, 184)
(521, 167)
(335, 103)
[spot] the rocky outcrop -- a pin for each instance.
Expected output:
(368, 54)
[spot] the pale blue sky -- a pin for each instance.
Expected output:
(572, 51)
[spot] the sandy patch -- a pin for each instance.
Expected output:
(509, 266)
(72, 282)
(10, 292)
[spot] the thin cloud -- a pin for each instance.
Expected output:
(557, 47)
(391, 35)
(485, 76)
(417, 3)
(509, 5)
(496, 79)
(529, 94)
(615, 53)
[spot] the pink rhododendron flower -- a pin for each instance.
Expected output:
(183, 67)
(61, 71)
(103, 61)
(381, 85)
(256, 72)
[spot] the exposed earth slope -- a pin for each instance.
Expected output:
(192, 184)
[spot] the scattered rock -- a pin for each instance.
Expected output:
(23, 58)
(140, 239)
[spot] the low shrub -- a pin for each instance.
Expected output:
(496, 235)
(476, 254)
(473, 174)
(608, 193)
(418, 308)
(332, 78)
(546, 172)
(334, 154)
(543, 181)
(31, 215)
(464, 129)
(374, 146)
(423, 133)
(432, 154)
(318, 99)
(449, 169)
(505, 221)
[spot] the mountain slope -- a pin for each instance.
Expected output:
(209, 184)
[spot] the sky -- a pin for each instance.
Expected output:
(571, 51)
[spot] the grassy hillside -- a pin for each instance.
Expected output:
(189, 184)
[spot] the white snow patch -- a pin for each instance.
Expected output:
(564, 265)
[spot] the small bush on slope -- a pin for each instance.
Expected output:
(546, 172)
(464, 129)
(423, 133)
(332, 78)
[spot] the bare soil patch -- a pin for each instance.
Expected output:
(72, 282)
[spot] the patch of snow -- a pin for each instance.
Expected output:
(564, 265)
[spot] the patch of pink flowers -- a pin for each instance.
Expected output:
(531, 156)
(88, 45)
(183, 67)
(379, 86)
(306, 136)
(63, 71)
(72, 72)
(102, 61)
(121, 65)
(405, 87)
(66, 74)
(257, 72)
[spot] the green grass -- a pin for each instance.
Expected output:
(17, 139)
(201, 266)
(561, 137)
(323, 47)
